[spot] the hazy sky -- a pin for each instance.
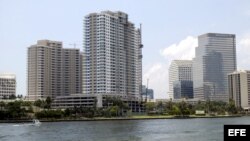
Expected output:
(170, 30)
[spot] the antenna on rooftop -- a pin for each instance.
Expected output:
(140, 28)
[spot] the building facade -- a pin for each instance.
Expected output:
(71, 71)
(181, 79)
(215, 58)
(94, 100)
(7, 85)
(239, 88)
(112, 55)
(52, 70)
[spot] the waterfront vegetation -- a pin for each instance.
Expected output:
(184, 109)
(115, 108)
(15, 110)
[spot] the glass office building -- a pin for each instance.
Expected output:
(215, 58)
(183, 89)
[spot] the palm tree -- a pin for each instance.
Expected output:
(48, 102)
(169, 106)
(160, 106)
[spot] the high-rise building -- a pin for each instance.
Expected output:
(215, 58)
(113, 57)
(239, 88)
(181, 79)
(7, 85)
(71, 71)
(52, 70)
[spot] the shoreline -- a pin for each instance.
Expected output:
(119, 118)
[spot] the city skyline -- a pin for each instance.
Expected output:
(168, 32)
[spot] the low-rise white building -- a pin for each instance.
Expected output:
(7, 85)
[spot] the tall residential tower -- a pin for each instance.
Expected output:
(113, 57)
(215, 58)
(239, 88)
(52, 70)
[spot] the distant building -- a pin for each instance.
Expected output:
(112, 55)
(239, 88)
(52, 70)
(215, 58)
(7, 85)
(183, 89)
(147, 93)
(181, 79)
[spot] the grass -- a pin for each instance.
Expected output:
(151, 116)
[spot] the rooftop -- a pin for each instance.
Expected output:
(8, 75)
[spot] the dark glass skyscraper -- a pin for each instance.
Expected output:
(215, 58)
(183, 89)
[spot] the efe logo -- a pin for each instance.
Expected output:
(236, 132)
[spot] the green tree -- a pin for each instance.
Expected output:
(48, 102)
(200, 106)
(12, 96)
(183, 108)
(175, 110)
(159, 106)
(15, 110)
(57, 114)
(39, 103)
(67, 112)
(115, 101)
(150, 106)
(168, 107)
(231, 108)
(2, 105)
(20, 96)
(114, 111)
(26, 103)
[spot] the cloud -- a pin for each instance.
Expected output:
(153, 69)
(157, 73)
(157, 76)
(185, 49)
(243, 57)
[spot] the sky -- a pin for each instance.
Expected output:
(169, 30)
